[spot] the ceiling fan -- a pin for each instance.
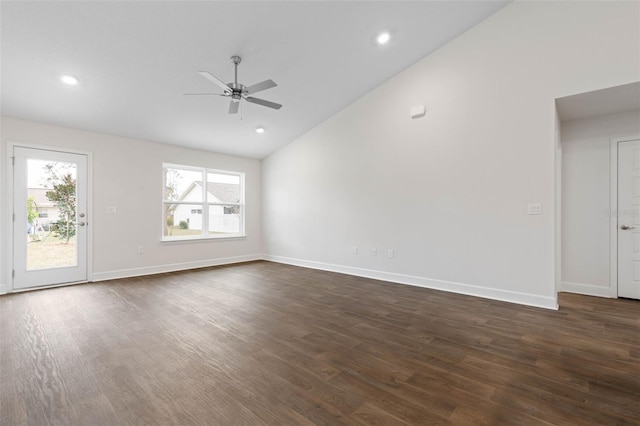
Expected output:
(237, 91)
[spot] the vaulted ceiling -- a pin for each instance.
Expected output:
(135, 60)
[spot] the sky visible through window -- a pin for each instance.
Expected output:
(187, 177)
(36, 172)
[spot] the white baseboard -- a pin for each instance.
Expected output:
(453, 287)
(160, 269)
(587, 289)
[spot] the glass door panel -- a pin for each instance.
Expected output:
(51, 214)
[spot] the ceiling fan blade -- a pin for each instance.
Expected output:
(263, 102)
(205, 94)
(258, 87)
(215, 80)
(233, 107)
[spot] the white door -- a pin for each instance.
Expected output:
(629, 219)
(49, 222)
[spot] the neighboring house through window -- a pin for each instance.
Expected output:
(202, 203)
(47, 210)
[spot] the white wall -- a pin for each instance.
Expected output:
(449, 192)
(586, 188)
(127, 173)
(4, 279)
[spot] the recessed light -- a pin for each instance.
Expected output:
(69, 79)
(383, 38)
(259, 129)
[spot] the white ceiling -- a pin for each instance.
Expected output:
(135, 59)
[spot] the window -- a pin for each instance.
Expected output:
(202, 203)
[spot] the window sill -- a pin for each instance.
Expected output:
(201, 238)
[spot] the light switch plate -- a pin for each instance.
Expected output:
(534, 208)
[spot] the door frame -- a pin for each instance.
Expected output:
(10, 204)
(613, 218)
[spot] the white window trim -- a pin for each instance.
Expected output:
(205, 205)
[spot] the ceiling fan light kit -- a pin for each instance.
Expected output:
(236, 91)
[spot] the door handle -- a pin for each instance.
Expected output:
(626, 227)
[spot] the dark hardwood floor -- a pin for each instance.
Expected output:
(263, 343)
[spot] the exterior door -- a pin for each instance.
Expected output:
(49, 222)
(629, 219)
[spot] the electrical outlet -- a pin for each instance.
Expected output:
(390, 253)
(354, 250)
(140, 249)
(374, 252)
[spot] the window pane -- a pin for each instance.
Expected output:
(187, 212)
(182, 220)
(182, 185)
(224, 219)
(222, 188)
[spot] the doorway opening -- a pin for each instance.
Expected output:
(590, 126)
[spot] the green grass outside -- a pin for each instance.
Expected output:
(49, 252)
(176, 231)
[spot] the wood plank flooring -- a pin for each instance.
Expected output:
(268, 344)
